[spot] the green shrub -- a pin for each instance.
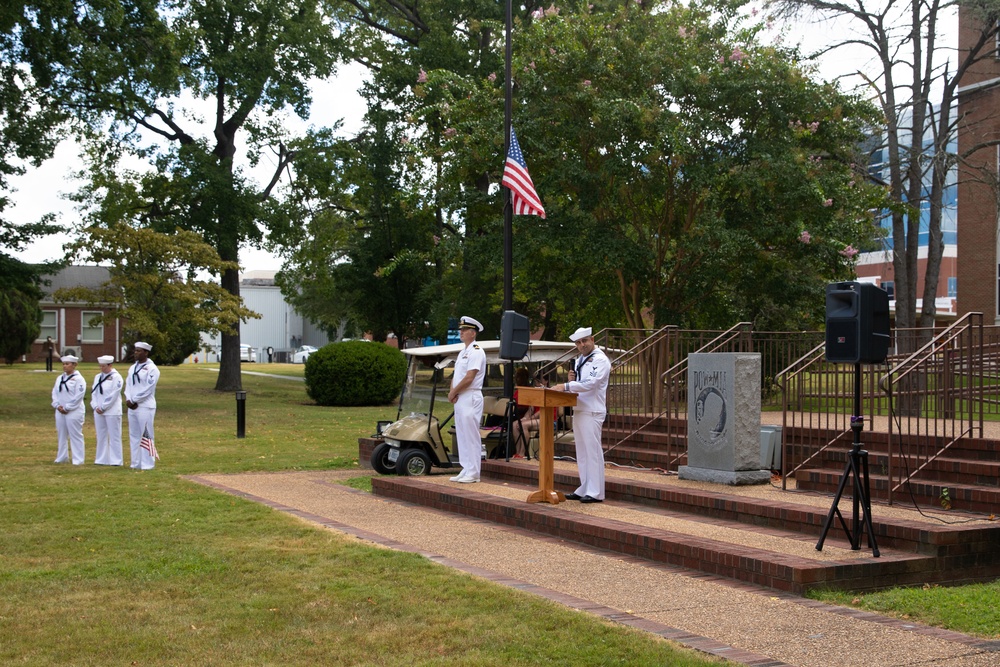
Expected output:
(355, 373)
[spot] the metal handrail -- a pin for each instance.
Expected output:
(918, 363)
(721, 339)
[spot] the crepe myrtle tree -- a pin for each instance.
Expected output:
(692, 173)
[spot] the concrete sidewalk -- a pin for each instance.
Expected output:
(743, 623)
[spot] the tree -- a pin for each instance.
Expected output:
(915, 83)
(20, 289)
(28, 124)
(129, 69)
(696, 174)
(28, 117)
(20, 315)
(154, 288)
(365, 253)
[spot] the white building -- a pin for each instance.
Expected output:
(279, 327)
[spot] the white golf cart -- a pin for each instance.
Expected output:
(415, 442)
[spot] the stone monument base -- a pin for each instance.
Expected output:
(730, 477)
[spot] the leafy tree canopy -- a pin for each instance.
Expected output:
(155, 287)
(699, 176)
(175, 87)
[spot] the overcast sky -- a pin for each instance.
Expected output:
(42, 190)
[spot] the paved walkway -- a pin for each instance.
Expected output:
(740, 622)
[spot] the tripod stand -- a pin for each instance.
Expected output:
(856, 468)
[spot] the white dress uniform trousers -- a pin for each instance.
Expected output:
(592, 375)
(68, 392)
(106, 394)
(469, 410)
(140, 387)
(589, 454)
(468, 417)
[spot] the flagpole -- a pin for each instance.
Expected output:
(508, 205)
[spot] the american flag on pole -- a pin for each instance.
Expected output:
(515, 176)
(147, 444)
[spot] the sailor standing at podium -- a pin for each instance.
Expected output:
(467, 396)
(589, 379)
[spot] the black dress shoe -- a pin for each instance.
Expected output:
(573, 496)
(590, 499)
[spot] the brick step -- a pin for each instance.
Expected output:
(612, 435)
(757, 566)
(944, 469)
(928, 493)
(912, 552)
(807, 520)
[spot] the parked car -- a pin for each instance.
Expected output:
(302, 353)
(248, 353)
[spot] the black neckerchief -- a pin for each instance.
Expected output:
(135, 373)
(100, 381)
(581, 364)
(64, 380)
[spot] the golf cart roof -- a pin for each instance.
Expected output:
(444, 355)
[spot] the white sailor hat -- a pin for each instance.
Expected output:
(106, 359)
(469, 322)
(582, 332)
(144, 346)
(69, 359)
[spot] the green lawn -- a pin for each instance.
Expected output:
(107, 566)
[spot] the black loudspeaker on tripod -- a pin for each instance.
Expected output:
(857, 332)
(514, 336)
(857, 323)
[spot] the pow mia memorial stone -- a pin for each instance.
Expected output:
(724, 419)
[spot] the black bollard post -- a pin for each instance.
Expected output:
(241, 414)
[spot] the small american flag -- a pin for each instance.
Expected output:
(515, 176)
(147, 444)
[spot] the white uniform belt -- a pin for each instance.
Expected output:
(588, 412)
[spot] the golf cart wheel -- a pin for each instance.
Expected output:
(413, 463)
(380, 460)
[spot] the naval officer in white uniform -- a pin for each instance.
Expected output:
(67, 399)
(589, 379)
(140, 397)
(106, 401)
(467, 396)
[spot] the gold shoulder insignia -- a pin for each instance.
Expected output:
(475, 346)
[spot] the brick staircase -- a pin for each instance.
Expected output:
(969, 470)
(717, 530)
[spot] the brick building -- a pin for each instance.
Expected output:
(69, 323)
(877, 268)
(979, 114)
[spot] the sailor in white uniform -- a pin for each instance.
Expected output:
(467, 396)
(67, 399)
(589, 379)
(106, 401)
(140, 397)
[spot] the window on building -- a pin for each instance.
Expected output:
(91, 333)
(890, 287)
(48, 325)
(952, 286)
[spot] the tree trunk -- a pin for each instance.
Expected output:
(230, 377)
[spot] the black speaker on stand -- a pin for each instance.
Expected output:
(514, 339)
(514, 336)
(857, 332)
(857, 323)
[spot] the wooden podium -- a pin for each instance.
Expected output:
(548, 400)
